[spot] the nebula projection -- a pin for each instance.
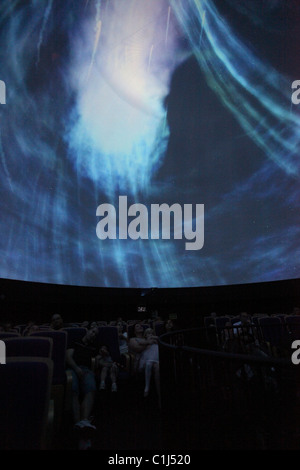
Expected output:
(180, 102)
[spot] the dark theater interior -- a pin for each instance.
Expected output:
(149, 230)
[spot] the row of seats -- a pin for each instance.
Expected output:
(50, 346)
(276, 332)
(47, 347)
(128, 327)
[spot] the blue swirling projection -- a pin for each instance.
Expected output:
(254, 92)
(164, 102)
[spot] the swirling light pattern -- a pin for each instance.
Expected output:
(104, 99)
(254, 92)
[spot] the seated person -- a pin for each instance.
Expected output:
(169, 326)
(107, 366)
(150, 353)
(296, 311)
(229, 341)
(123, 344)
(244, 325)
(145, 348)
(137, 344)
(7, 327)
(56, 322)
(79, 358)
(31, 327)
(149, 361)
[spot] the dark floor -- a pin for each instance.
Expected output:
(125, 420)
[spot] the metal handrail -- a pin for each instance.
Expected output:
(221, 354)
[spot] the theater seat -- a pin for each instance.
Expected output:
(26, 413)
(75, 333)
(293, 326)
(159, 328)
(272, 333)
(62, 379)
(5, 334)
(29, 346)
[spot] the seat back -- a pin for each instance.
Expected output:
(271, 330)
(7, 334)
(75, 334)
(293, 325)
(220, 322)
(29, 346)
(256, 318)
(24, 402)
(21, 328)
(159, 328)
(281, 316)
(209, 322)
(109, 335)
(58, 353)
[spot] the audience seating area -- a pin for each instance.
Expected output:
(43, 342)
(35, 392)
(274, 334)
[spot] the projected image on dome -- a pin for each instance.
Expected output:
(149, 143)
